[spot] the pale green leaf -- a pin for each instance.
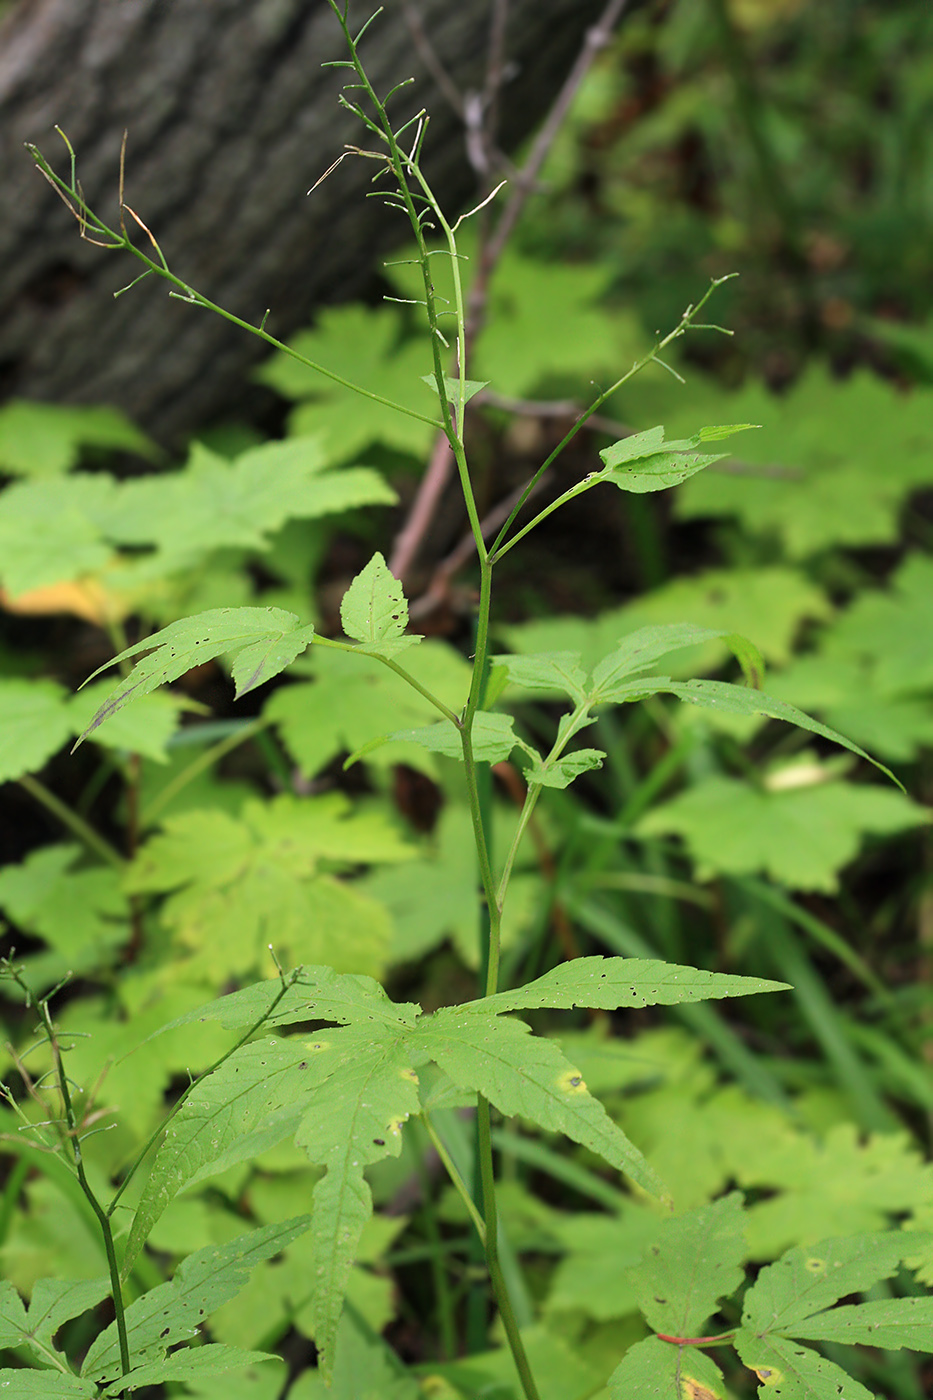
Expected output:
(354, 1119)
(557, 672)
(144, 728)
(45, 1385)
(354, 699)
(788, 1371)
(374, 611)
(655, 1370)
(189, 1364)
(365, 1368)
(173, 1311)
(561, 772)
(247, 1105)
(800, 836)
(54, 530)
(695, 1260)
(890, 629)
(34, 725)
(890, 1322)
(613, 983)
(44, 439)
(195, 640)
(528, 1077)
(805, 1281)
(597, 1274)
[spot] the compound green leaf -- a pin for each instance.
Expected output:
(528, 1077)
(788, 1371)
(374, 611)
(891, 1323)
(189, 1364)
(355, 1118)
(655, 1370)
(44, 439)
(173, 1311)
(612, 983)
(45, 1385)
(805, 1281)
(270, 637)
(642, 648)
(695, 1260)
(33, 725)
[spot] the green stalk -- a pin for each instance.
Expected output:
(69, 818)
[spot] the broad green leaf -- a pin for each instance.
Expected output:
(612, 983)
(354, 699)
(189, 1363)
(247, 1105)
(44, 439)
(799, 836)
(890, 629)
(645, 462)
(805, 1281)
(54, 529)
(33, 725)
(528, 1077)
(53, 1302)
(891, 1323)
(374, 611)
(365, 1368)
(266, 878)
(736, 699)
(270, 638)
(494, 738)
(367, 347)
(144, 728)
(695, 1260)
(561, 772)
(354, 1119)
(557, 672)
(788, 1371)
(597, 1274)
(655, 1370)
(173, 1311)
(45, 1385)
(848, 454)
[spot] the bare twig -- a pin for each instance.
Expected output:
(428, 55)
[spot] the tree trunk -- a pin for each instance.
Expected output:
(231, 119)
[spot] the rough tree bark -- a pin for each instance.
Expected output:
(230, 120)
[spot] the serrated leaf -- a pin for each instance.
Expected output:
(55, 1301)
(645, 462)
(33, 725)
(611, 983)
(805, 1281)
(189, 1364)
(528, 1077)
(788, 1371)
(890, 1322)
(355, 1119)
(695, 1260)
(641, 649)
(365, 1368)
(45, 1385)
(374, 611)
(655, 1370)
(144, 728)
(173, 1311)
(194, 640)
(13, 1325)
(550, 671)
(561, 772)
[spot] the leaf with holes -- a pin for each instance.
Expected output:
(374, 611)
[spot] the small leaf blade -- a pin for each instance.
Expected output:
(695, 1261)
(888, 1322)
(792, 1372)
(374, 611)
(189, 1364)
(655, 1370)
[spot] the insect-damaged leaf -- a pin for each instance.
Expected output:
(374, 611)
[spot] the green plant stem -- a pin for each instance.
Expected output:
(460, 1186)
(198, 766)
(499, 547)
(409, 679)
(438, 1262)
(69, 818)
